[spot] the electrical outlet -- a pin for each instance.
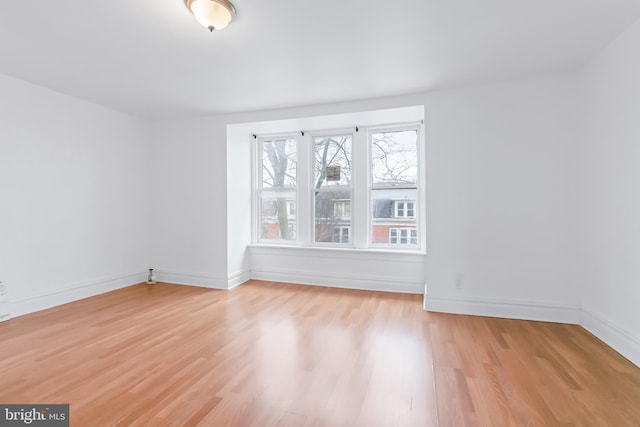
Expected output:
(459, 280)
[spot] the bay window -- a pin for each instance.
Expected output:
(356, 188)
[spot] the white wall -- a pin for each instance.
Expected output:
(189, 201)
(74, 204)
(610, 203)
(501, 183)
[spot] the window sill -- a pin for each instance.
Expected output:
(328, 251)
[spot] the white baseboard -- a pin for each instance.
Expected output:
(511, 309)
(202, 280)
(340, 281)
(237, 278)
(54, 297)
(613, 335)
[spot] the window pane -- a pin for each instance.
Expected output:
(278, 190)
(394, 178)
(394, 159)
(332, 184)
(279, 163)
(332, 218)
(332, 163)
(277, 219)
(392, 209)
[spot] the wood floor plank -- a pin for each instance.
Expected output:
(272, 354)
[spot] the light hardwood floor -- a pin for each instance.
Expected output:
(268, 354)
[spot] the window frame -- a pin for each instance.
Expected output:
(418, 187)
(361, 213)
(258, 157)
(312, 190)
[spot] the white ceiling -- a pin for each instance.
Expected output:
(151, 58)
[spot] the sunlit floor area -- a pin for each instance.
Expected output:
(271, 354)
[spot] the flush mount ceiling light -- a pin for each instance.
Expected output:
(212, 14)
